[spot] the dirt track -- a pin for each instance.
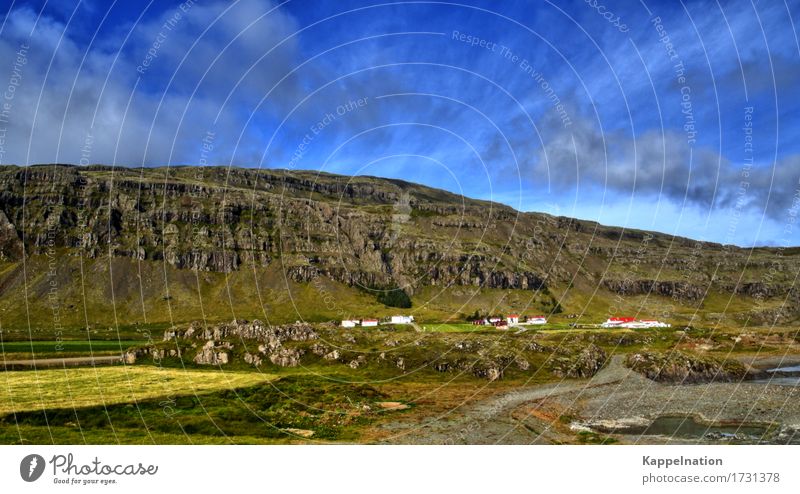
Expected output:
(529, 415)
(490, 421)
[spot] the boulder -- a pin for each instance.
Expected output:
(585, 364)
(286, 357)
(252, 359)
(680, 367)
(210, 354)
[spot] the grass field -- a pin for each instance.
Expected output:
(84, 387)
(456, 328)
(328, 408)
(26, 350)
(321, 400)
(46, 348)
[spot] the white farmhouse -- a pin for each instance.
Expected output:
(349, 323)
(652, 323)
(512, 319)
(401, 319)
(633, 323)
(618, 322)
(536, 320)
(369, 322)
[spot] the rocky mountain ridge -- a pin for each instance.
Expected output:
(369, 233)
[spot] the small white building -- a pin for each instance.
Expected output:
(349, 323)
(369, 322)
(512, 319)
(633, 323)
(652, 323)
(536, 320)
(618, 322)
(401, 319)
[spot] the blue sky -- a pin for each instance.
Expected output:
(673, 116)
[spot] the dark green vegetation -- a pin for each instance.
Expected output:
(68, 348)
(395, 297)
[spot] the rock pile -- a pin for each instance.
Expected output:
(213, 354)
(272, 340)
(678, 367)
(585, 364)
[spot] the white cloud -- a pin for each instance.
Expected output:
(61, 101)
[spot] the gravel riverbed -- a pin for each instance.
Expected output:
(616, 395)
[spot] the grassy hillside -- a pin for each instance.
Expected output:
(123, 252)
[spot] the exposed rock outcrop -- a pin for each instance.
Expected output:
(252, 359)
(682, 368)
(255, 330)
(10, 244)
(211, 354)
(490, 371)
(680, 290)
(481, 368)
(286, 357)
(585, 364)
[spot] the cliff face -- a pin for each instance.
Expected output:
(363, 231)
(370, 232)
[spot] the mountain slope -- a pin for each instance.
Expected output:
(178, 243)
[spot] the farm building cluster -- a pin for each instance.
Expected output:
(504, 322)
(612, 322)
(632, 322)
(351, 323)
(509, 320)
